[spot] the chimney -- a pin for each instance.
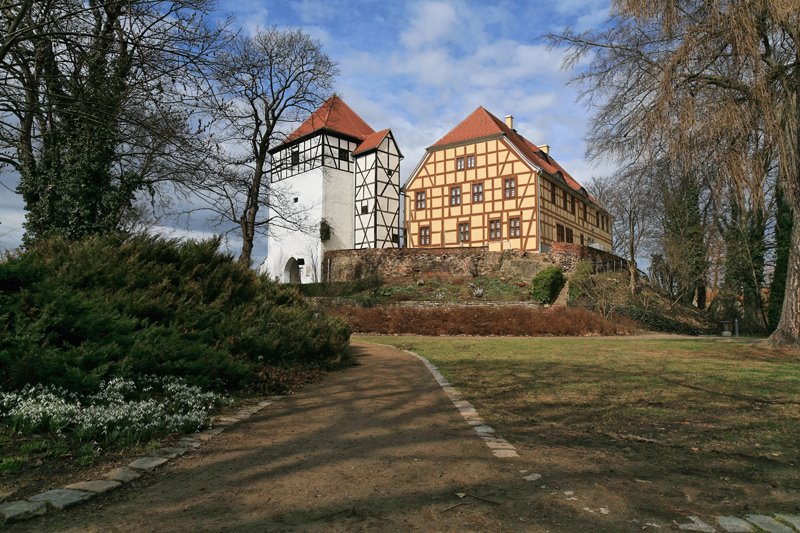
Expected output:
(510, 122)
(544, 148)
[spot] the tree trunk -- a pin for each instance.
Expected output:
(248, 219)
(788, 331)
(634, 276)
(632, 269)
(248, 233)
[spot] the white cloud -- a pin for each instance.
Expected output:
(433, 23)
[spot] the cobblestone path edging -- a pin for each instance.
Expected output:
(499, 446)
(752, 523)
(76, 493)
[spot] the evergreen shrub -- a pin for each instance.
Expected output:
(547, 284)
(73, 314)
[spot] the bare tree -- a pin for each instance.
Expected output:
(674, 71)
(97, 105)
(628, 196)
(263, 83)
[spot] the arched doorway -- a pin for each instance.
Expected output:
(291, 272)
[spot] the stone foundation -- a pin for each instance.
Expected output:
(394, 263)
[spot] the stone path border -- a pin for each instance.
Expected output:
(499, 446)
(778, 523)
(76, 493)
(752, 523)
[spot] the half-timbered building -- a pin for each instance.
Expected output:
(346, 177)
(484, 184)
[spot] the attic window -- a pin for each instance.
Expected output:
(343, 154)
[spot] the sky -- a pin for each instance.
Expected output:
(419, 68)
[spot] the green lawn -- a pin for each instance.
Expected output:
(713, 421)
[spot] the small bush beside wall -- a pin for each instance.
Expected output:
(547, 284)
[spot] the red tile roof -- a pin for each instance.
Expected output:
(479, 124)
(333, 115)
(482, 124)
(371, 142)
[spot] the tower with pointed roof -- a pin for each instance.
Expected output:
(484, 184)
(345, 177)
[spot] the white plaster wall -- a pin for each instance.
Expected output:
(338, 188)
(283, 244)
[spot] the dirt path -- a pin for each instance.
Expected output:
(377, 446)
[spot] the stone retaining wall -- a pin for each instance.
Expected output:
(398, 263)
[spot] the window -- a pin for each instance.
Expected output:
(364, 209)
(559, 233)
(295, 157)
(566, 199)
(510, 188)
(569, 235)
(495, 229)
(572, 208)
(477, 192)
(343, 155)
(396, 238)
(455, 195)
(581, 239)
(552, 193)
(296, 199)
(585, 213)
(424, 235)
(597, 218)
(390, 173)
(463, 232)
(470, 161)
(420, 197)
(459, 163)
(513, 227)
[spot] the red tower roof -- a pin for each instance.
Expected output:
(333, 115)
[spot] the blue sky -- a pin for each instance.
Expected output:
(420, 67)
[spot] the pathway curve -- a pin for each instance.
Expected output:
(377, 447)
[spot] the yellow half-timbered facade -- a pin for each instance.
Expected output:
(484, 184)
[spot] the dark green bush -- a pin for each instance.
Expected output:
(339, 288)
(75, 313)
(580, 280)
(547, 284)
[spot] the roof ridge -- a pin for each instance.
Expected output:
(334, 115)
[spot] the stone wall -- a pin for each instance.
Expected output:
(393, 263)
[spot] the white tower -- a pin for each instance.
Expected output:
(344, 178)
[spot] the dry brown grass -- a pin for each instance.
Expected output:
(482, 321)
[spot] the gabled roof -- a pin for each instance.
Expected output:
(482, 124)
(479, 124)
(371, 142)
(333, 115)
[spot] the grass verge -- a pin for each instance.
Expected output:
(693, 425)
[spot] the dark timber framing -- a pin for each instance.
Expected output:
(377, 182)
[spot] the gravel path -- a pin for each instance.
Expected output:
(378, 446)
